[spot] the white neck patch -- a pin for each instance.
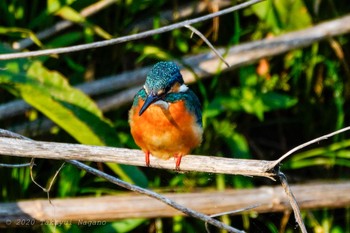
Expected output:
(162, 104)
(183, 88)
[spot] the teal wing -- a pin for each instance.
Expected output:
(191, 100)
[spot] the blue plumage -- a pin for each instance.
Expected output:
(160, 79)
(166, 119)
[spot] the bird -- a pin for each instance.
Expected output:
(166, 118)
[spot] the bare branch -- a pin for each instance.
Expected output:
(46, 190)
(155, 195)
(204, 64)
(65, 151)
(292, 201)
(198, 33)
(127, 38)
(187, 10)
(126, 185)
(332, 194)
(245, 209)
(324, 137)
(15, 165)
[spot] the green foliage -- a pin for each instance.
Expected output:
(255, 112)
(252, 97)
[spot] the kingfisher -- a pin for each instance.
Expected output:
(165, 118)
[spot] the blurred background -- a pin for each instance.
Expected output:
(256, 110)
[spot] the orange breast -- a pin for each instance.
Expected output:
(165, 132)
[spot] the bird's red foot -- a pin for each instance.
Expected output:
(147, 158)
(178, 161)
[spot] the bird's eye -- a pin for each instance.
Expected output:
(167, 89)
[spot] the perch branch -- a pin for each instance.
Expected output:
(65, 151)
(126, 38)
(125, 185)
(132, 205)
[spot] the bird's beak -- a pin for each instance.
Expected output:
(151, 98)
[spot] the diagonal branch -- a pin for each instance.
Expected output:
(292, 201)
(128, 186)
(324, 137)
(198, 33)
(149, 193)
(204, 64)
(127, 38)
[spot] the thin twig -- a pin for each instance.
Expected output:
(184, 11)
(204, 64)
(324, 137)
(9, 134)
(229, 213)
(198, 33)
(293, 201)
(15, 165)
(127, 38)
(155, 195)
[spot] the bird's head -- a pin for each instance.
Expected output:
(163, 78)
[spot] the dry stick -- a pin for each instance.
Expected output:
(152, 194)
(127, 38)
(196, 163)
(184, 11)
(229, 213)
(283, 178)
(46, 190)
(42, 148)
(126, 185)
(126, 205)
(324, 137)
(15, 165)
(9, 134)
(204, 64)
(293, 201)
(62, 25)
(198, 33)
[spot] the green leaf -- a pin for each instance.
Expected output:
(69, 180)
(23, 32)
(70, 14)
(284, 15)
(68, 107)
(120, 226)
(50, 93)
(55, 5)
(273, 101)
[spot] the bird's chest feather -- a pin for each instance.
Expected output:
(164, 128)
